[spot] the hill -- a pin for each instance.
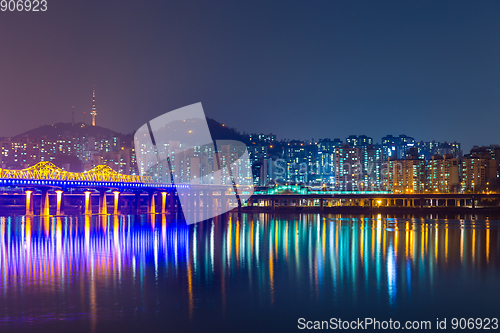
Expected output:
(68, 130)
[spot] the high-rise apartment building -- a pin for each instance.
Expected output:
(442, 174)
(346, 168)
(479, 170)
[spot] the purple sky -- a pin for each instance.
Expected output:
(299, 69)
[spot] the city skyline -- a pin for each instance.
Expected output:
(400, 164)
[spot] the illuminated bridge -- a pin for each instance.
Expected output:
(295, 196)
(47, 174)
(45, 184)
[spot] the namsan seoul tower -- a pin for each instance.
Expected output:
(93, 113)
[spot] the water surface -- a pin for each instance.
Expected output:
(260, 272)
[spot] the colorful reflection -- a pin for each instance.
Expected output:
(93, 267)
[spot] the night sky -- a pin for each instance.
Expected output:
(299, 69)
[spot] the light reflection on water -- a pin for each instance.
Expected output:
(83, 273)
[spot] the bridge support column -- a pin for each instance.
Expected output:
(163, 202)
(223, 201)
(321, 205)
(187, 198)
(473, 203)
(60, 203)
(103, 205)
(273, 204)
(172, 202)
(44, 203)
(116, 202)
(194, 200)
(209, 202)
(137, 203)
(88, 203)
(29, 203)
(151, 203)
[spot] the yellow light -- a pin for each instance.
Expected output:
(190, 131)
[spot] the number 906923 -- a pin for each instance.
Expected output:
(23, 5)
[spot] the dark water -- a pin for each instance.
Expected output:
(260, 273)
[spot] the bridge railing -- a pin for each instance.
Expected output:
(48, 171)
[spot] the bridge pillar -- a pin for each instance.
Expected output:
(116, 202)
(151, 203)
(223, 201)
(88, 203)
(29, 203)
(321, 204)
(103, 205)
(163, 202)
(172, 202)
(137, 209)
(473, 203)
(44, 204)
(187, 198)
(194, 200)
(212, 201)
(273, 204)
(60, 203)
